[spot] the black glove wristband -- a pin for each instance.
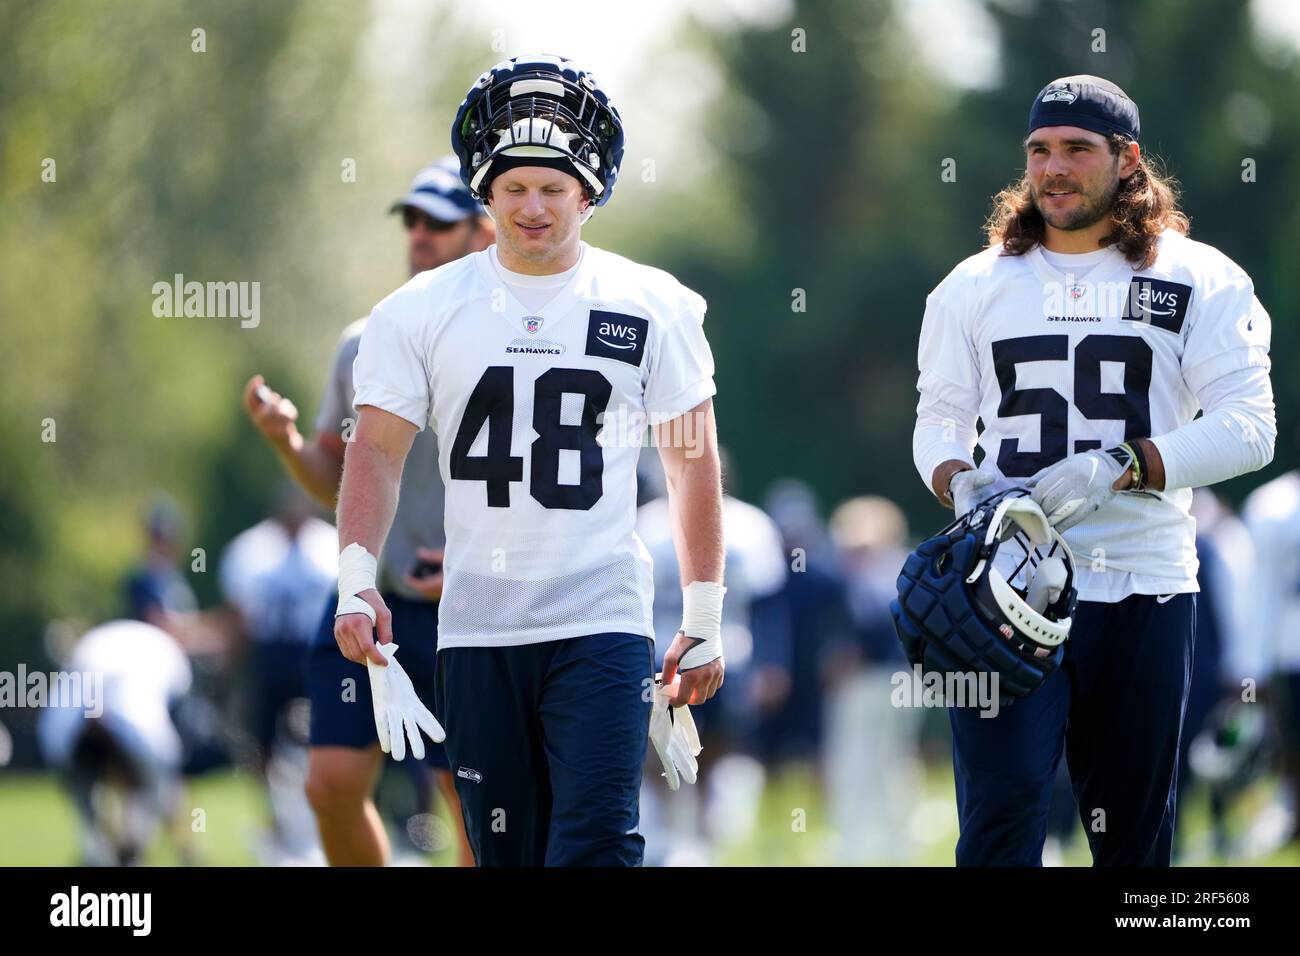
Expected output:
(1130, 455)
(1139, 465)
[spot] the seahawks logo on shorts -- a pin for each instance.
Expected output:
(469, 773)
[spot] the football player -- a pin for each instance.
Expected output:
(274, 576)
(539, 363)
(122, 765)
(1086, 338)
(443, 222)
(1272, 514)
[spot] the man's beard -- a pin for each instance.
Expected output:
(1092, 209)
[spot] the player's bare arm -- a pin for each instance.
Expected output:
(316, 465)
(372, 472)
(695, 501)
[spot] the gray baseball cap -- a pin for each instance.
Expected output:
(438, 191)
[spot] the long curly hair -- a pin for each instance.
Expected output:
(1145, 205)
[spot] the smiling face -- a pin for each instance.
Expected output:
(1073, 178)
(538, 213)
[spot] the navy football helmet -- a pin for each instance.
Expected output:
(992, 592)
(538, 111)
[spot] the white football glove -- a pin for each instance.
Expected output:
(672, 731)
(966, 489)
(1075, 487)
(398, 711)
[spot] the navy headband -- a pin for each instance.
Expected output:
(1088, 102)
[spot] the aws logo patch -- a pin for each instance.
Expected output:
(617, 336)
(1157, 302)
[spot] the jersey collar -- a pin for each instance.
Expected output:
(561, 303)
(1107, 268)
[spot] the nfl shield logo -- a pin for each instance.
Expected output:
(531, 324)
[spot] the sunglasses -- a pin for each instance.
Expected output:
(412, 216)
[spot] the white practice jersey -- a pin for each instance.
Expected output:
(539, 416)
(1053, 366)
(280, 584)
(1272, 515)
(143, 671)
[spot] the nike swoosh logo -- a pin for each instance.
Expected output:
(1165, 598)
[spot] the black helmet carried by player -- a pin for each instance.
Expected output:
(538, 110)
(992, 592)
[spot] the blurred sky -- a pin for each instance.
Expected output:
(621, 40)
(659, 85)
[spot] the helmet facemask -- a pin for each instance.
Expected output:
(541, 118)
(1025, 576)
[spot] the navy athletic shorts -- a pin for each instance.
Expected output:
(547, 743)
(342, 714)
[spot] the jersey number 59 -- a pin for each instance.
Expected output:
(1132, 406)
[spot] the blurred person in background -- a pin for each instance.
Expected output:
(689, 826)
(872, 763)
(1272, 516)
(443, 223)
(816, 599)
(156, 590)
(1217, 623)
(120, 756)
(276, 575)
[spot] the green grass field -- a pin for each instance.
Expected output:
(38, 825)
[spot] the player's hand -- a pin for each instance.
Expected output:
(273, 414)
(429, 585)
(399, 713)
(354, 633)
(968, 488)
(695, 685)
(1075, 487)
(674, 737)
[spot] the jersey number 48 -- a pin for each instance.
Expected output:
(493, 403)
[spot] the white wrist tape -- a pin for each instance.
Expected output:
(702, 621)
(357, 570)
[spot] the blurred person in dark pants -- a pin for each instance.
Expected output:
(872, 747)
